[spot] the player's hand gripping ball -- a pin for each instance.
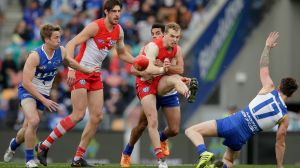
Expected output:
(141, 63)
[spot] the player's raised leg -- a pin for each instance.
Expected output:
(168, 83)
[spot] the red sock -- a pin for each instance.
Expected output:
(79, 153)
(62, 127)
(158, 153)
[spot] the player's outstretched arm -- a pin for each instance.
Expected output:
(265, 77)
(280, 141)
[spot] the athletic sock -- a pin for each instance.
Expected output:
(201, 148)
(79, 153)
(158, 153)
(62, 127)
(128, 149)
(29, 154)
(14, 145)
(162, 136)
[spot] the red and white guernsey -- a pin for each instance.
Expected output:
(143, 88)
(94, 50)
(162, 52)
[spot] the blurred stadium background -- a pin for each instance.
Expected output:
(222, 41)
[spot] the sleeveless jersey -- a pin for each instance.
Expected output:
(264, 111)
(46, 70)
(94, 50)
(162, 52)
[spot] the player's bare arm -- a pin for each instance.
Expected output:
(122, 52)
(265, 78)
(280, 141)
(28, 74)
(151, 52)
(88, 32)
(177, 63)
(71, 62)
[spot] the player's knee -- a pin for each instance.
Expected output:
(188, 131)
(77, 116)
(96, 118)
(33, 121)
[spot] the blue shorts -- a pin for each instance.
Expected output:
(167, 101)
(23, 94)
(234, 130)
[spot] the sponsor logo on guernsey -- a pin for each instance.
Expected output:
(100, 41)
(251, 124)
(146, 89)
(112, 42)
(45, 75)
(82, 82)
(56, 62)
(43, 67)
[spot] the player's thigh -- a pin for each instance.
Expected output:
(79, 100)
(95, 102)
(207, 128)
(172, 115)
(149, 106)
(30, 110)
(167, 83)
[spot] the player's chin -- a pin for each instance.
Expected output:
(116, 21)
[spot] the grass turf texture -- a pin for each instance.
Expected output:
(58, 165)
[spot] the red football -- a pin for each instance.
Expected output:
(141, 63)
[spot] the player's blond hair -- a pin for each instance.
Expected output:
(173, 26)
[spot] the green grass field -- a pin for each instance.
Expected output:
(58, 165)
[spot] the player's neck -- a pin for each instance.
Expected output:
(284, 97)
(108, 25)
(49, 51)
(165, 45)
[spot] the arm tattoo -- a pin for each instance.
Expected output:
(264, 59)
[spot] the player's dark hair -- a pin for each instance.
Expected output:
(288, 86)
(159, 26)
(47, 30)
(110, 4)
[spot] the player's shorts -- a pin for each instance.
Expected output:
(144, 88)
(234, 130)
(90, 82)
(23, 94)
(167, 101)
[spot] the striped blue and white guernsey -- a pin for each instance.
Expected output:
(46, 70)
(264, 111)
